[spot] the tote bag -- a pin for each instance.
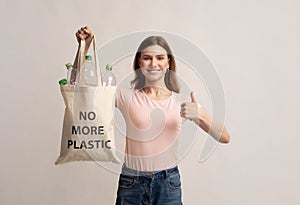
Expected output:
(88, 126)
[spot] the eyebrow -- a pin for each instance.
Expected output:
(155, 55)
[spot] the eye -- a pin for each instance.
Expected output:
(146, 58)
(160, 58)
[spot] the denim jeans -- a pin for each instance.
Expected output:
(149, 188)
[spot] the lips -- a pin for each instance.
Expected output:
(153, 70)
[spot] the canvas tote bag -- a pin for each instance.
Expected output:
(88, 127)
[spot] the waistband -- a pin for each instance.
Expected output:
(132, 172)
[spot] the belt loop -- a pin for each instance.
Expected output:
(166, 174)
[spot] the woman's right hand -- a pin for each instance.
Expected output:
(85, 34)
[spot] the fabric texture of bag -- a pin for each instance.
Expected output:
(88, 126)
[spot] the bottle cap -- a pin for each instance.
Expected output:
(108, 67)
(63, 81)
(68, 65)
(88, 57)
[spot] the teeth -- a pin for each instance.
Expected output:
(153, 70)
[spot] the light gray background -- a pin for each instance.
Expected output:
(254, 46)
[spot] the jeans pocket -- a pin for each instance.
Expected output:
(126, 181)
(174, 181)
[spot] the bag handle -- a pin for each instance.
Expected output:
(81, 60)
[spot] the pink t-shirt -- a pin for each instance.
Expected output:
(152, 129)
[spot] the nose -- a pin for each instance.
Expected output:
(153, 62)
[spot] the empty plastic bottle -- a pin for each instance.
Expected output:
(109, 78)
(69, 73)
(90, 74)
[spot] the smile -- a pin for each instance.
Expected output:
(153, 70)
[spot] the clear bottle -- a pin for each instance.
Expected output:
(90, 74)
(109, 78)
(69, 73)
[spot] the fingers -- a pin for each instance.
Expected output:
(193, 97)
(87, 31)
(184, 104)
(184, 110)
(84, 33)
(182, 113)
(79, 36)
(185, 114)
(188, 109)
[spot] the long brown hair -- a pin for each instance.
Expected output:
(170, 77)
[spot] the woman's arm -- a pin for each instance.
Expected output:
(193, 111)
(215, 129)
(85, 34)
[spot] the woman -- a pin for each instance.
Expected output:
(154, 111)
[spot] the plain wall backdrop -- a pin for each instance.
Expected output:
(254, 46)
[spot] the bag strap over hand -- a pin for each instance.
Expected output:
(99, 76)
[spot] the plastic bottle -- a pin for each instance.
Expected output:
(69, 73)
(90, 73)
(63, 81)
(109, 78)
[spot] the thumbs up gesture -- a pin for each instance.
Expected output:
(190, 110)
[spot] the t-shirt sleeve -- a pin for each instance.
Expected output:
(122, 96)
(118, 97)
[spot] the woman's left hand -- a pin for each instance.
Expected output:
(190, 110)
(193, 111)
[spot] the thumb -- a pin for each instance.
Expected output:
(193, 97)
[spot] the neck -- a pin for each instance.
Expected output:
(156, 90)
(156, 84)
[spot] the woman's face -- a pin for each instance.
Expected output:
(154, 63)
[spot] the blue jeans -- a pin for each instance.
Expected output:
(149, 188)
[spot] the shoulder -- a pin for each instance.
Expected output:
(123, 91)
(123, 95)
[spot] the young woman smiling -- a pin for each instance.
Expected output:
(154, 111)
